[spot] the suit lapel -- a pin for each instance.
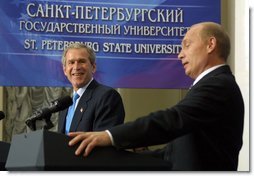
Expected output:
(82, 105)
(61, 124)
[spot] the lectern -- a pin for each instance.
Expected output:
(46, 150)
(4, 150)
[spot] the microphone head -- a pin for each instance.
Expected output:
(60, 104)
(2, 115)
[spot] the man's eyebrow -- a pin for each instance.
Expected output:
(183, 41)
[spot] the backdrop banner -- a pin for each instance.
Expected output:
(136, 42)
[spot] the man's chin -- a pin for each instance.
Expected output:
(78, 84)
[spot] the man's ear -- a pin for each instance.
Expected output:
(64, 70)
(94, 68)
(212, 42)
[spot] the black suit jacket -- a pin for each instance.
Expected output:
(203, 131)
(99, 108)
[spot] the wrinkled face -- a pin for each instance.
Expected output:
(194, 53)
(78, 68)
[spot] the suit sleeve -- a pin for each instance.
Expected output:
(199, 109)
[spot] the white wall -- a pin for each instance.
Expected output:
(241, 52)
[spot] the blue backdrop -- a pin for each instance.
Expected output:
(136, 42)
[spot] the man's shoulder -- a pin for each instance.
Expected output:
(100, 88)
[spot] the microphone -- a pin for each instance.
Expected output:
(2, 116)
(45, 113)
(59, 104)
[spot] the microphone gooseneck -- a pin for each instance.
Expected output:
(46, 112)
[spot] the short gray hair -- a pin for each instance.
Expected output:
(92, 56)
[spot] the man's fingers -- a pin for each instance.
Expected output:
(82, 147)
(89, 140)
(90, 143)
(73, 134)
(89, 148)
(86, 145)
(77, 137)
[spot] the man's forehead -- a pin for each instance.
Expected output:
(193, 31)
(187, 37)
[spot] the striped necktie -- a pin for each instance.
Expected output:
(70, 114)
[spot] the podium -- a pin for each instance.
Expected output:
(45, 150)
(4, 150)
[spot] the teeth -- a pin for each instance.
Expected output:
(77, 74)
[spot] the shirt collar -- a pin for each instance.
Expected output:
(206, 72)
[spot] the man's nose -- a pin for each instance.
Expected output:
(180, 55)
(76, 65)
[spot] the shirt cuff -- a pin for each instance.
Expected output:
(111, 137)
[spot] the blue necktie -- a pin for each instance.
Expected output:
(70, 114)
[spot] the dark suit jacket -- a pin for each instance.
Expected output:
(204, 130)
(99, 108)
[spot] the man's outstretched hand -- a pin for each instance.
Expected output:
(89, 140)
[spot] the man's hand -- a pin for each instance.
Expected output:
(89, 140)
